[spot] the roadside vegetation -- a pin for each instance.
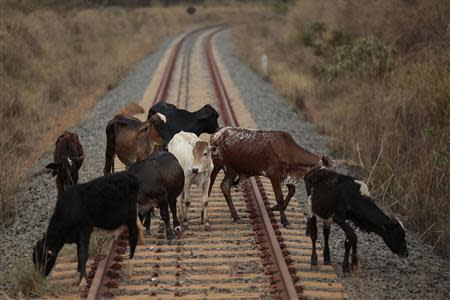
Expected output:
(375, 77)
(58, 58)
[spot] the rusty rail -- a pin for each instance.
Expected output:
(286, 284)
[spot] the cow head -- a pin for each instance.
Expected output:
(394, 236)
(148, 136)
(202, 157)
(159, 122)
(207, 116)
(66, 169)
(44, 258)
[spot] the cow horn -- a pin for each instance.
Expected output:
(400, 222)
(39, 173)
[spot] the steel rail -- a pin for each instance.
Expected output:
(230, 119)
(101, 277)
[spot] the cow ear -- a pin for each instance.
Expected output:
(54, 167)
(144, 128)
(79, 159)
(205, 112)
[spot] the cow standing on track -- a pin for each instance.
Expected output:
(131, 139)
(337, 198)
(161, 181)
(106, 202)
(253, 152)
(201, 121)
(68, 158)
(194, 157)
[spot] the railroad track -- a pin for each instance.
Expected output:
(257, 259)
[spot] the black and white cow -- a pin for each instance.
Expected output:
(337, 198)
(201, 121)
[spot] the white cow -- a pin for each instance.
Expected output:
(194, 156)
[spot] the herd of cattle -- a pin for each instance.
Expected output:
(164, 156)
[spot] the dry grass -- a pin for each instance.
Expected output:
(375, 77)
(57, 63)
(29, 283)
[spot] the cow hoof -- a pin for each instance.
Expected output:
(327, 262)
(275, 207)
(314, 268)
(238, 220)
(287, 225)
(346, 270)
(207, 227)
(147, 232)
(185, 226)
(178, 230)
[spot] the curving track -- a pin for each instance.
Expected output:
(253, 260)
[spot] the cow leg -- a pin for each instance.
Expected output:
(311, 228)
(212, 177)
(82, 252)
(226, 190)
(164, 213)
(59, 185)
(276, 185)
(205, 220)
(186, 202)
(291, 192)
(173, 209)
(147, 220)
(350, 241)
(326, 250)
(140, 230)
(135, 234)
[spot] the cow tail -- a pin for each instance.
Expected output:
(110, 148)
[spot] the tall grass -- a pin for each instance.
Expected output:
(55, 63)
(375, 77)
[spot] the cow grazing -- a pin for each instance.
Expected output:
(161, 181)
(68, 158)
(194, 157)
(106, 202)
(131, 139)
(336, 198)
(253, 152)
(201, 121)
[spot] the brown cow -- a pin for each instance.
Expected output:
(68, 158)
(131, 139)
(253, 152)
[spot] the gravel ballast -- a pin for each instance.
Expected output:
(381, 274)
(38, 196)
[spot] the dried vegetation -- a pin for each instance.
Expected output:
(374, 76)
(57, 58)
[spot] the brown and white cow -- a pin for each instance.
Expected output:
(131, 139)
(194, 156)
(68, 158)
(253, 152)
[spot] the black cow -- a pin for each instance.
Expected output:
(161, 181)
(201, 121)
(336, 198)
(106, 202)
(68, 158)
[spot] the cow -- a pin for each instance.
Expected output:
(131, 139)
(67, 160)
(161, 181)
(201, 121)
(106, 202)
(254, 152)
(194, 156)
(337, 198)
